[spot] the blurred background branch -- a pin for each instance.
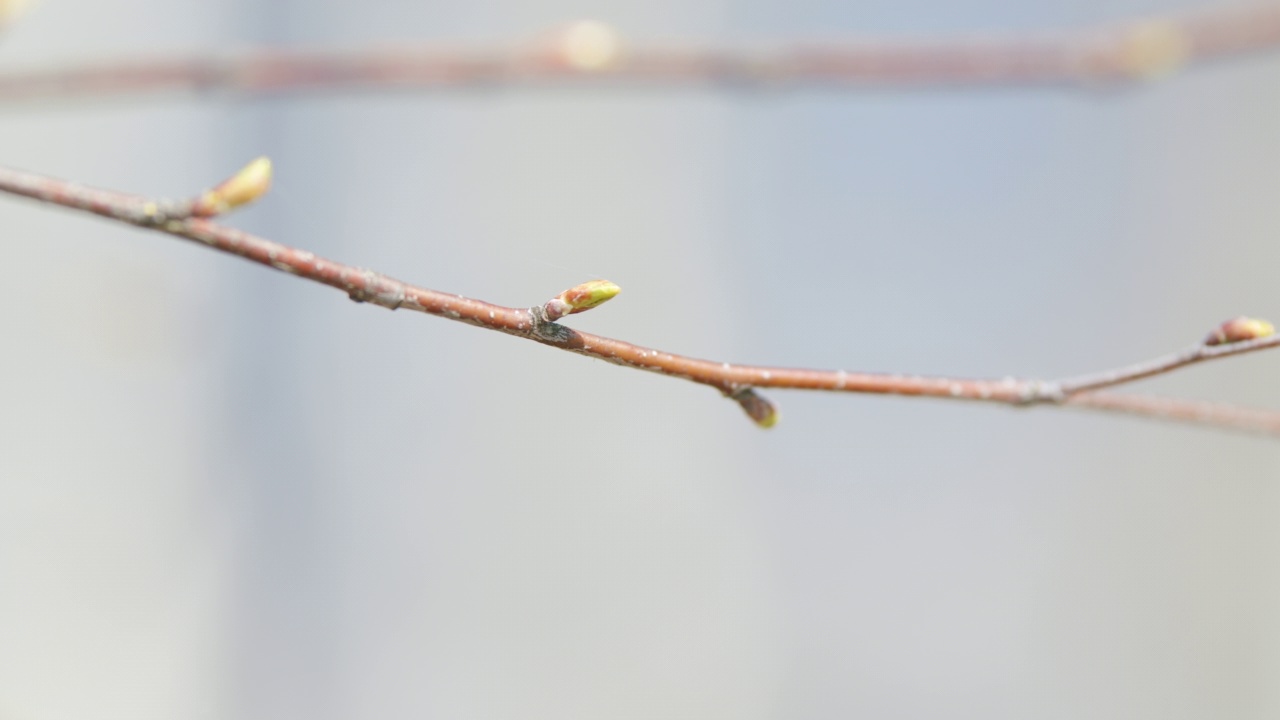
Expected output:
(595, 53)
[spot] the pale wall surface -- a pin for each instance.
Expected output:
(227, 494)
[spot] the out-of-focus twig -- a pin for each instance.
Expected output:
(738, 382)
(594, 53)
(1231, 417)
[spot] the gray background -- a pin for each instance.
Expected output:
(229, 494)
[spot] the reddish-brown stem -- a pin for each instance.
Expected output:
(730, 379)
(1136, 50)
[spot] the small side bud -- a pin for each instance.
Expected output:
(251, 183)
(579, 298)
(1240, 329)
(757, 407)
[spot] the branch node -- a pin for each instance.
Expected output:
(159, 213)
(546, 329)
(1035, 392)
(376, 289)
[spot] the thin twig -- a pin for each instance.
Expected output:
(1158, 366)
(734, 381)
(1142, 49)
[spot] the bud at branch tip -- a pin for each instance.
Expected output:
(580, 298)
(1240, 329)
(247, 185)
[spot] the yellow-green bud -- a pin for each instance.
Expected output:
(1240, 329)
(579, 298)
(247, 185)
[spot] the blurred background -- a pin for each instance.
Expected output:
(225, 493)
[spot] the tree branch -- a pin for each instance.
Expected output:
(189, 220)
(1138, 50)
(1194, 354)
